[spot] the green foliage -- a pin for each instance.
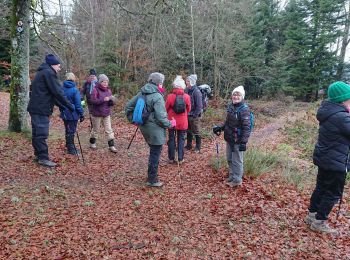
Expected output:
(310, 27)
(257, 162)
(300, 178)
(302, 135)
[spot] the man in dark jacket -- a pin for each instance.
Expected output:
(194, 116)
(46, 91)
(331, 155)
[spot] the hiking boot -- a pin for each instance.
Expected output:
(233, 184)
(189, 141)
(171, 161)
(310, 218)
(71, 149)
(111, 146)
(93, 143)
(198, 144)
(46, 163)
(182, 161)
(228, 179)
(322, 226)
(155, 184)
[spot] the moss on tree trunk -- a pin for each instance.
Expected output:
(19, 89)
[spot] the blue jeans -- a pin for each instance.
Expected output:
(40, 132)
(153, 162)
(180, 144)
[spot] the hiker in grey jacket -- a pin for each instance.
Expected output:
(154, 130)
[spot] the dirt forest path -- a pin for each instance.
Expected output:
(103, 210)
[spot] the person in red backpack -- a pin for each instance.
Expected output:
(177, 105)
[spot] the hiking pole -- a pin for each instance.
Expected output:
(132, 139)
(176, 154)
(81, 150)
(217, 156)
(340, 202)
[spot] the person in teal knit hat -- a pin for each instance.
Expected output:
(331, 156)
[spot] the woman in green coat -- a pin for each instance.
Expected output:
(154, 130)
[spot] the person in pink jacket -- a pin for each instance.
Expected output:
(177, 105)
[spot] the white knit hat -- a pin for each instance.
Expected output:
(179, 82)
(102, 77)
(193, 79)
(239, 89)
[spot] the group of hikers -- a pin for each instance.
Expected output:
(181, 114)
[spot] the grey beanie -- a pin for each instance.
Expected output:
(192, 79)
(102, 77)
(156, 78)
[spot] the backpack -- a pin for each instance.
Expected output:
(140, 114)
(206, 94)
(251, 117)
(179, 106)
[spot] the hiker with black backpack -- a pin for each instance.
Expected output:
(194, 116)
(154, 124)
(178, 104)
(237, 128)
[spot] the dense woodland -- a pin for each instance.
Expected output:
(272, 47)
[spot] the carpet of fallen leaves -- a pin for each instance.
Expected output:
(104, 210)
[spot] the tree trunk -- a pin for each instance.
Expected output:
(192, 31)
(19, 89)
(345, 42)
(93, 34)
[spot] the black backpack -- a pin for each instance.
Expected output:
(179, 106)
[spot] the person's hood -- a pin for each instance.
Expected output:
(149, 88)
(69, 84)
(45, 66)
(178, 91)
(329, 108)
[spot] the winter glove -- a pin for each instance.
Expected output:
(173, 123)
(113, 98)
(217, 130)
(242, 147)
(82, 118)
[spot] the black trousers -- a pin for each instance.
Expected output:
(40, 132)
(153, 162)
(328, 191)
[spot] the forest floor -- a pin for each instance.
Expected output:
(103, 210)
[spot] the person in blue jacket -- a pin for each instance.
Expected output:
(70, 118)
(331, 155)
